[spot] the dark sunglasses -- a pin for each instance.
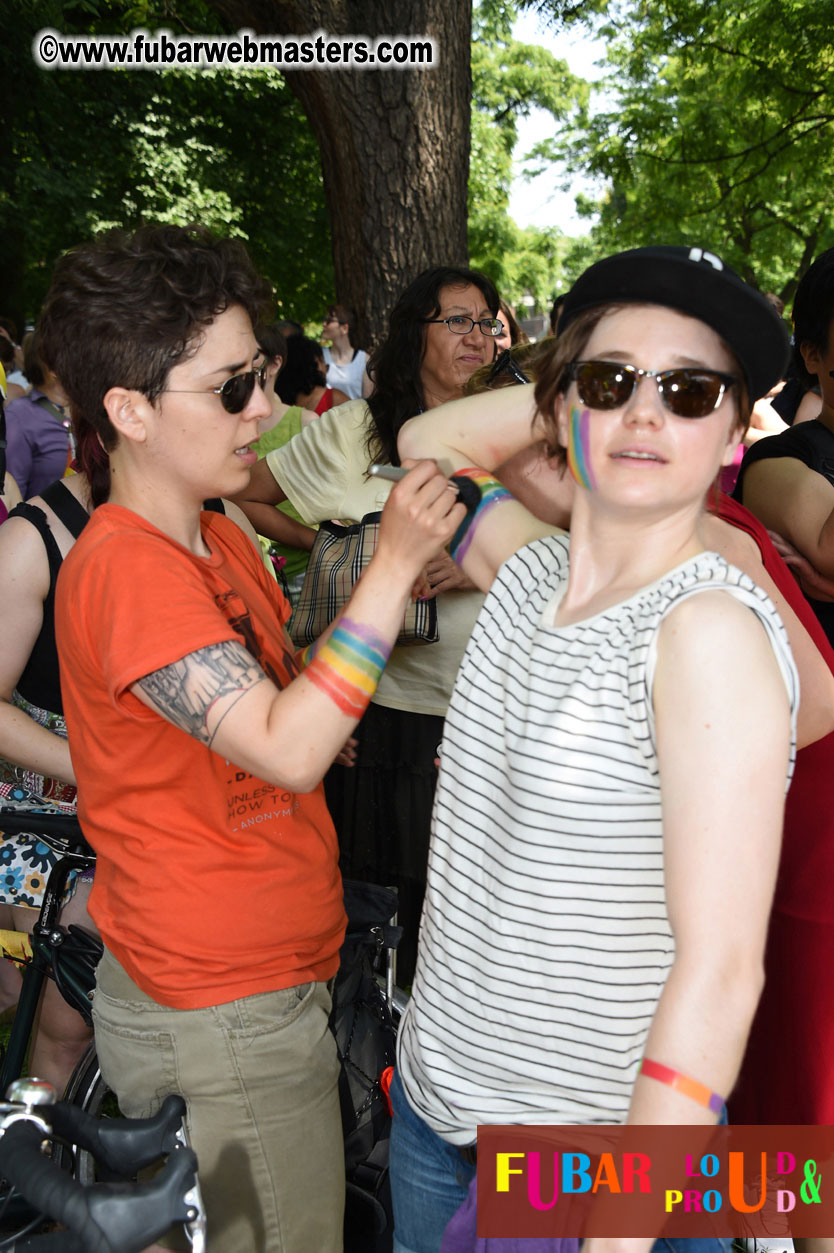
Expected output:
(688, 392)
(236, 392)
(506, 362)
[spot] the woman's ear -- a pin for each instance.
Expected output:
(128, 411)
(729, 454)
(560, 415)
(812, 357)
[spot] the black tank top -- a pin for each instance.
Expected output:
(39, 683)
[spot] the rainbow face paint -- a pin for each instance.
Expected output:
(579, 448)
(347, 668)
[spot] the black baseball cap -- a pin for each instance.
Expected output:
(695, 282)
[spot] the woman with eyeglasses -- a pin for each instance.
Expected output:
(345, 364)
(609, 811)
(442, 329)
(199, 738)
(35, 765)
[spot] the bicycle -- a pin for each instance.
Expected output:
(366, 1010)
(67, 955)
(121, 1217)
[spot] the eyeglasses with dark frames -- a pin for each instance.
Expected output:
(460, 325)
(688, 391)
(235, 393)
(505, 362)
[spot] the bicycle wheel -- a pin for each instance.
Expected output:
(88, 1090)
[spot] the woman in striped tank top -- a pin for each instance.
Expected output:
(599, 884)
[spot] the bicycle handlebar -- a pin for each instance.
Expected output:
(123, 1145)
(105, 1217)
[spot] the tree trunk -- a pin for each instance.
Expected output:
(394, 143)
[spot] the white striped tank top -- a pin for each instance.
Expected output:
(545, 942)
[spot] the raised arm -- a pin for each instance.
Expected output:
(723, 743)
(222, 697)
(484, 431)
(24, 574)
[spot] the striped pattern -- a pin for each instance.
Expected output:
(347, 667)
(579, 450)
(492, 493)
(545, 941)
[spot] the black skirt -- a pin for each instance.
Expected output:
(381, 808)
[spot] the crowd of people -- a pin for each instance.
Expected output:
(603, 793)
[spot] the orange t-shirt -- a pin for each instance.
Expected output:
(210, 883)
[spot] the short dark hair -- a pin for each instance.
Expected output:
(33, 358)
(813, 310)
(303, 369)
(271, 341)
(288, 328)
(395, 366)
(124, 309)
(344, 316)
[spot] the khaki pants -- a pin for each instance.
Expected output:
(259, 1076)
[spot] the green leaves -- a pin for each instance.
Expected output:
(86, 151)
(717, 128)
(508, 80)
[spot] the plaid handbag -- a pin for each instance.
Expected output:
(338, 556)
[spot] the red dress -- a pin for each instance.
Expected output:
(788, 1071)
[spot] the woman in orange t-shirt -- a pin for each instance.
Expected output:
(199, 739)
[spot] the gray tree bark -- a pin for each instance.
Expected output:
(394, 143)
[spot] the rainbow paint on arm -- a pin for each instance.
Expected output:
(492, 493)
(691, 1088)
(579, 448)
(348, 666)
(304, 656)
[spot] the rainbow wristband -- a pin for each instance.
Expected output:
(347, 668)
(698, 1092)
(492, 493)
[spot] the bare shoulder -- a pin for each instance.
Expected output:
(772, 473)
(713, 650)
(24, 564)
(711, 619)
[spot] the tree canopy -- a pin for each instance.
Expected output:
(715, 126)
(87, 151)
(509, 79)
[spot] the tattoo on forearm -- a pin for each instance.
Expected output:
(188, 690)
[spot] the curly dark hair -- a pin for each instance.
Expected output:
(813, 311)
(124, 309)
(395, 366)
(303, 369)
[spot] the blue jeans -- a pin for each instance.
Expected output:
(430, 1180)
